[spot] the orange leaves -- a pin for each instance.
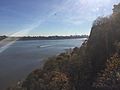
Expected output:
(111, 75)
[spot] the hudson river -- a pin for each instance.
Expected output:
(23, 57)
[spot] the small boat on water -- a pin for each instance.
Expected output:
(43, 46)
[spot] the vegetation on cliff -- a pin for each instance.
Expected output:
(93, 66)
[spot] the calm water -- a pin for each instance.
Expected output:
(24, 56)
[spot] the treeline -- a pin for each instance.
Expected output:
(2, 37)
(46, 37)
(93, 66)
(52, 37)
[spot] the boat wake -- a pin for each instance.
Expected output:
(44, 46)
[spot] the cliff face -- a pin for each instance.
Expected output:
(93, 66)
(101, 43)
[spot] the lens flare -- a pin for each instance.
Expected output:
(6, 43)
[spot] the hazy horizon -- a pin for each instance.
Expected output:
(46, 35)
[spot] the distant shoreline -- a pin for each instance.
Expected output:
(47, 39)
(25, 38)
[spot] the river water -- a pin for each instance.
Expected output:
(23, 57)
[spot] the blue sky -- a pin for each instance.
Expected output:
(51, 17)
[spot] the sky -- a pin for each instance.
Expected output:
(51, 17)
